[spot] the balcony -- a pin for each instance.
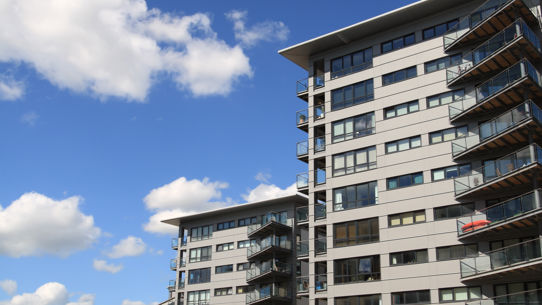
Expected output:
(528, 297)
(319, 176)
(302, 214)
(171, 285)
(488, 19)
(302, 151)
(319, 144)
(173, 264)
(268, 271)
(183, 262)
(500, 51)
(320, 282)
(505, 90)
(302, 181)
(302, 284)
(302, 119)
(270, 223)
(520, 260)
(320, 245)
(302, 86)
(269, 247)
(519, 213)
(507, 132)
(302, 248)
(509, 175)
(270, 294)
(181, 285)
(320, 211)
(319, 112)
(175, 243)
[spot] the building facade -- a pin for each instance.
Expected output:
(423, 131)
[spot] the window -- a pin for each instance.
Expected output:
(404, 181)
(352, 63)
(438, 29)
(453, 211)
(448, 134)
(442, 63)
(401, 109)
(397, 43)
(244, 266)
(201, 233)
(406, 218)
(449, 172)
(456, 252)
(223, 269)
(359, 300)
(352, 95)
(359, 269)
(199, 297)
(355, 232)
(397, 76)
(355, 196)
(225, 225)
(354, 161)
(200, 254)
(223, 291)
(246, 243)
(459, 294)
(244, 289)
(403, 144)
(225, 247)
(355, 127)
(199, 276)
(247, 221)
(409, 257)
(445, 98)
(411, 297)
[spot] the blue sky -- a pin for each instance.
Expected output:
(115, 111)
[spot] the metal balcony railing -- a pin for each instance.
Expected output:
(495, 169)
(319, 144)
(175, 243)
(302, 148)
(302, 248)
(171, 285)
(320, 245)
(268, 292)
(497, 126)
(527, 297)
(498, 213)
(302, 180)
(320, 282)
(302, 284)
(173, 264)
(479, 16)
(267, 243)
(268, 267)
(302, 214)
(495, 85)
(501, 258)
(302, 117)
(487, 49)
(302, 85)
(268, 218)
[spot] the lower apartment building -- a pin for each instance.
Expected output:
(423, 129)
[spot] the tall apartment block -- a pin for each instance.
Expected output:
(424, 168)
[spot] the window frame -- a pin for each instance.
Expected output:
(200, 258)
(225, 247)
(220, 269)
(225, 225)
(403, 294)
(460, 169)
(404, 43)
(355, 277)
(369, 152)
(399, 76)
(442, 63)
(397, 143)
(370, 224)
(401, 216)
(368, 89)
(456, 95)
(418, 257)
(453, 248)
(348, 204)
(453, 291)
(247, 243)
(457, 134)
(201, 276)
(396, 107)
(411, 177)
(366, 64)
(353, 122)
(466, 208)
(449, 24)
(247, 221)
(218, 291)
(199, 233)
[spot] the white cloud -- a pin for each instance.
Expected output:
(128, 302)
(102, 265)
(30, 118)
(268, 191)
(10, 90)
(9, 286)
(49, 294)
(263, 177)
(263, 31)
(35, 225)
(182, 197)
(130, 246)
(119, 48)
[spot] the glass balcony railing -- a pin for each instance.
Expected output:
(320, 176)
(173, 264)
(302, 117)
(319, 112)
(171, 285)
(527, 297)
(302, 148)
(501, 258)
(268, 267)
(497, 126)
(320, 211)
(319, 80)
(183, 262)
(491, 46)
(174, 243)
(302, 248)
(320, 282)
(181, 284)
(480, 15)
(497, 214)
(302, 284)
(268, 218)
(268, 291)
(320, 245)
(302, 180)
(302, 85)
(497, 168)
(495, 85)
(268, 242)
(319, 144)
(302, 214)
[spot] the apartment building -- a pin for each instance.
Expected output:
(423, 128)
